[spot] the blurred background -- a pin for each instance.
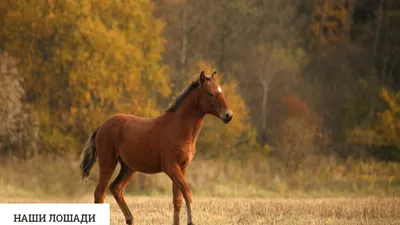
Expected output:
(314, 86)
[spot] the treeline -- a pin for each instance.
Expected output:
(303, 77)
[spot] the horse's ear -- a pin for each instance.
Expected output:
(202, 78)
(213, 75)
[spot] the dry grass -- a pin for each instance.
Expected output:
(257, 191)
(255, 177)
(349, 211)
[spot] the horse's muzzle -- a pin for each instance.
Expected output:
(228, 118)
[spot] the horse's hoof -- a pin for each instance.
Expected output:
(129, 222)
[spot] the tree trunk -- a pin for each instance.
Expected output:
(183, 43)
(321, 28)
(378, 30)
(264, 134)
(222, 53)
(349, 19)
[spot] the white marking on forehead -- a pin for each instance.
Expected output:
(219, 89)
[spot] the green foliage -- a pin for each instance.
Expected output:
(84, 61)
(362, 104)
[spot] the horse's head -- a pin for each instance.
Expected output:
(212, 98)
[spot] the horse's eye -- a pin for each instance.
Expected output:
(210, 94)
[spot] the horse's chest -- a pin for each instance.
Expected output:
(185, 155)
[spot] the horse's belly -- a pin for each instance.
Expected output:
(143, 161)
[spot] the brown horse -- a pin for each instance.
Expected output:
(152, 145)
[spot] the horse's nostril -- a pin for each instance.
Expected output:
(228, 117)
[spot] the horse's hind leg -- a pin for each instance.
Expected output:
(117, 188)
(106, 170)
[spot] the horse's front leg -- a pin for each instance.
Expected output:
(177, 201)
(180, 187)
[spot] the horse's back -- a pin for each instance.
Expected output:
(110, 131)
(131, 138)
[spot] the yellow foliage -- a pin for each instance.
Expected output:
(385, 131)
(84, 61)
(335, 16)
(217, 138)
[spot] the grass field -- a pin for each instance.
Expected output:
(349, 211)
(258, 191)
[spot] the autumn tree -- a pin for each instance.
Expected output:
(302, 139)
(187, 36)
(332, 20)
(383, 134)
(341, 72)
(239, 36)
(18, 128)
(273, 65)
(332, 54)
(83, 61)
(217, 139)
(275, 58)
(386, 42)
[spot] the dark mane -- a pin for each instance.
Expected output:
(178, 101)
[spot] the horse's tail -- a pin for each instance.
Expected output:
(89, 155)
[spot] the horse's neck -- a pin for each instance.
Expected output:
(189, 118)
